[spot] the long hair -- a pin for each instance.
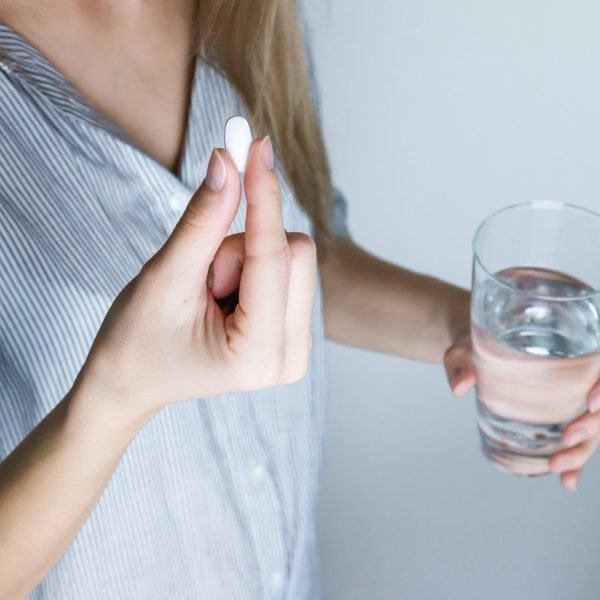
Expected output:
(258, 46)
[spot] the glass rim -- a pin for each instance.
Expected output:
(535, 204)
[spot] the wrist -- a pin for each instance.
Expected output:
(458, 314)
(94, 403)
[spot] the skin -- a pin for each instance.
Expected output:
(166, 338)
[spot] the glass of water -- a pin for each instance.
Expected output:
(535, 326)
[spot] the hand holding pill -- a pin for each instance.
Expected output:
(166, 338)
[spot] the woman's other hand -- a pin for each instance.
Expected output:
(581, 437)
(459, 366)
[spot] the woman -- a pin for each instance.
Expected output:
(110, 485)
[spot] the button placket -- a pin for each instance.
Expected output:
(257, 471)
(276, 584)
(264, 508)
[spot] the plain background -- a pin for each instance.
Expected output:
(435, 114)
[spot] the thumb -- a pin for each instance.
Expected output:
(206, 220)
(459, 367)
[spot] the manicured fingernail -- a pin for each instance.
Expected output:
(560, 466)
(266, 149)
(216, 172)
(576, 437)
(594, 403)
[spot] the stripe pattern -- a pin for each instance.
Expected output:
(215, 498)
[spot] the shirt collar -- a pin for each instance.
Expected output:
(20, 58)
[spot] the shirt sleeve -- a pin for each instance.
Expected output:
(339, 216)
(339, 207)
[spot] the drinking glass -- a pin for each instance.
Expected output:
(535, 327)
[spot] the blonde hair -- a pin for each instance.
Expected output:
(258, 46)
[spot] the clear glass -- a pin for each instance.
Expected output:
(536, 328)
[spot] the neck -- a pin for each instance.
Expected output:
(17, 10)
(132, 59)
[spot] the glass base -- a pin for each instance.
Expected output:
(518, 448)
(514, 463)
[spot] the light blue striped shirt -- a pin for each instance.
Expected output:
(215, 498)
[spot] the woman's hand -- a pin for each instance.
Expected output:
(459, 365)
(166, 338)
(581, 437)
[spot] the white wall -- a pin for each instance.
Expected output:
(435, 114)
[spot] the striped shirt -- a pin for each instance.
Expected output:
(215, 498)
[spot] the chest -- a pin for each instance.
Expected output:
(83, 222)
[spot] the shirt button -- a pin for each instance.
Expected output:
(276, 583)
(178, 200)
(257, 472)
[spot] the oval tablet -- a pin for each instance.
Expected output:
(238, 139)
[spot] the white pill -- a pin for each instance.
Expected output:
(238, 139)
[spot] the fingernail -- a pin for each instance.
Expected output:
(576, 437)
(266, 149)
(594, 403)
(216, 172)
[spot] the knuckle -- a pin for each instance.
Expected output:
(578, 455)
(262, 373)
(198, 215)
(269, 373)
(272, 187)
(299, 368)
(296, 373)
(283, 254)
(266, 189)
(449, 354)
(456, 353)
(302, 245)
(580, 426)
(579, 458)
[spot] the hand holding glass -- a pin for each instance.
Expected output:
(535, 329)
